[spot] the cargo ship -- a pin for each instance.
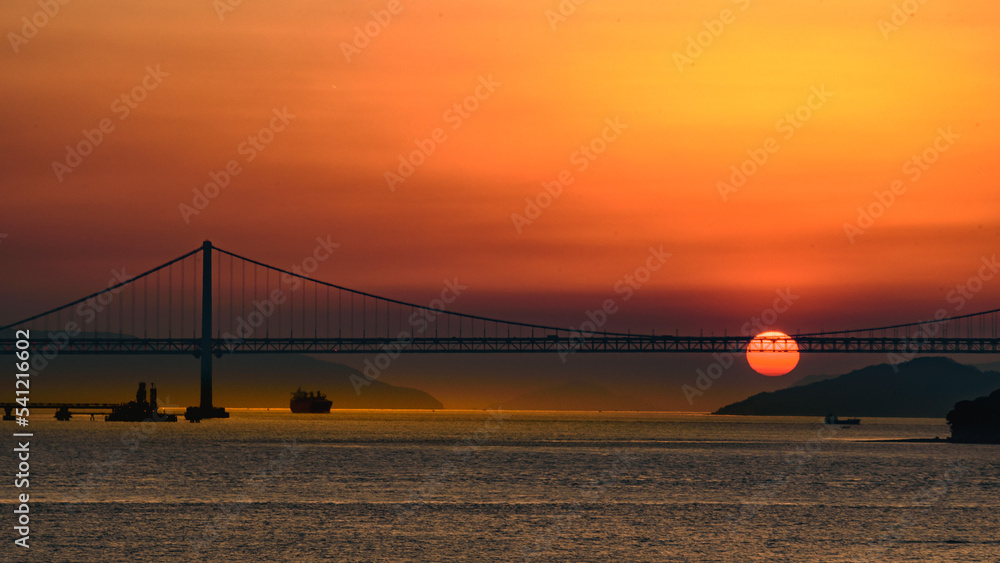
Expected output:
(832, 419)
(310, 402)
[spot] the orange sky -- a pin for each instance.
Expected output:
(891, 92)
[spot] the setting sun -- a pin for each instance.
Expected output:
(773, 353)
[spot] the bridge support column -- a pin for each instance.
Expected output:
(206, 326)
(205, 408)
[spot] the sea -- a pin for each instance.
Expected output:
(498, 485)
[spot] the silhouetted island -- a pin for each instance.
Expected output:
(919, 388)
(976, 421)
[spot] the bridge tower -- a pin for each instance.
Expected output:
(205, 408)
(206, 326)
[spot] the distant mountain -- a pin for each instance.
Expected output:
(922, 388)
(812, 379)
(252, 380)
(238, 381)
(575, 397)
(989, 366)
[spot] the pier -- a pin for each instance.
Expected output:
(63, 411)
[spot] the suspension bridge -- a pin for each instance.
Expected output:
(210, 302)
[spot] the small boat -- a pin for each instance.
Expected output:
(832, 419)
(303, 402)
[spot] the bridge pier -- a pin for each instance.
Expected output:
(205, 409)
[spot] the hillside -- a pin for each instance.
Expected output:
(976, 421)
(923, 388)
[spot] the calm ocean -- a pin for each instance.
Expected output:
(511, 486)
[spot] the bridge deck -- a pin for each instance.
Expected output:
(563, 344)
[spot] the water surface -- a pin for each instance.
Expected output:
(488, 486)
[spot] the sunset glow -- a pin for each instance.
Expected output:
(453, 280)
(502, 98)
